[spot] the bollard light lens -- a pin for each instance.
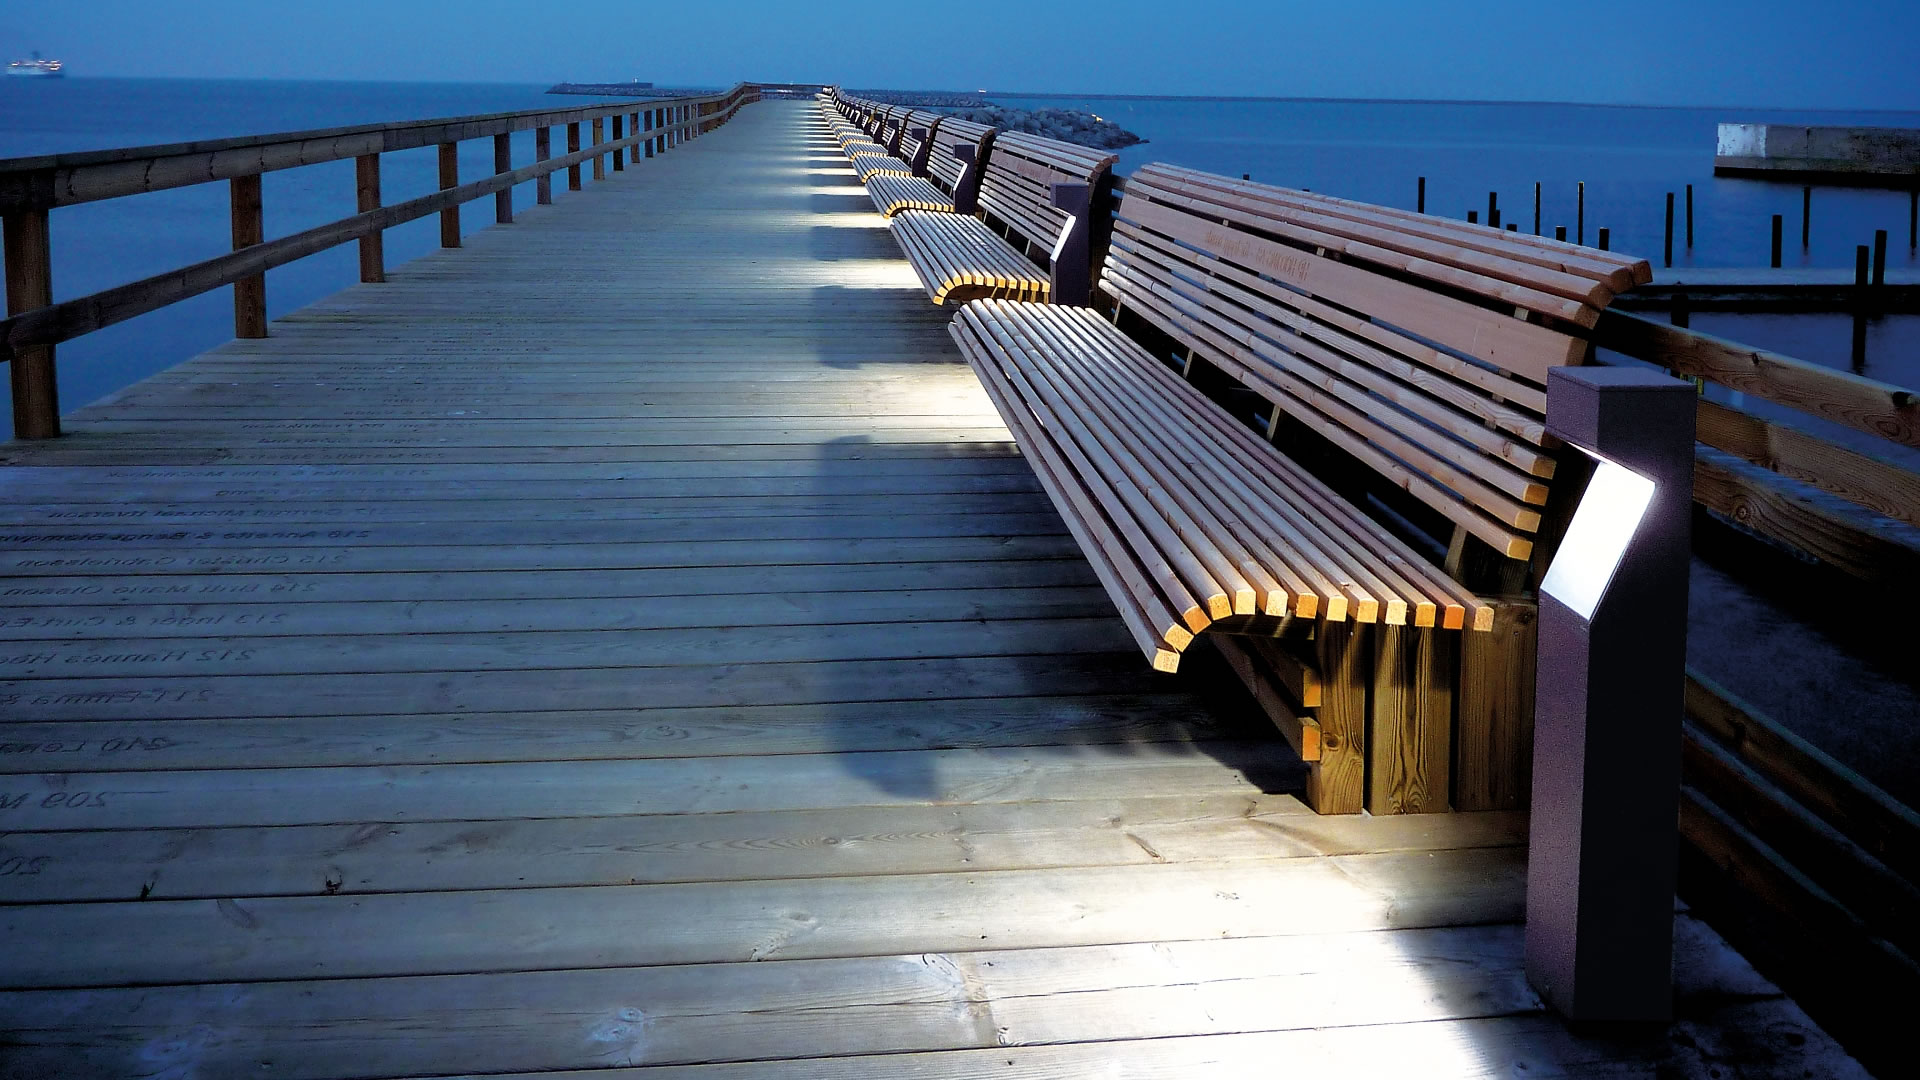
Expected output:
(1603, 525)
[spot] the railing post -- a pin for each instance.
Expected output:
(1612, 660)
(573, 147)
(650, 128)
(249, 294)
(29, 267)
(600, 159)
(542, 151)
(619, 121)
(503, 163)
(450, 178)
(659, 125)
(373, 257)
(633, 128)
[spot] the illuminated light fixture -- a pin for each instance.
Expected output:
(1603, 838)
(1603, 525)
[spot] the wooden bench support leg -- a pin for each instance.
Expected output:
(1493, 733)
(1336, 784)
(1411, 712)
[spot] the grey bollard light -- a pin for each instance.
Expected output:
(1608, 703)
(1072, 257)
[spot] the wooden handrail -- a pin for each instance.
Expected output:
(30, 187)
(39, 183)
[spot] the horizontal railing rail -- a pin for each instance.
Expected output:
(31, 187)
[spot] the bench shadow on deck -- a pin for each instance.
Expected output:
(704, 680)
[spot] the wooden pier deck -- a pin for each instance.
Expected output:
(632, 641)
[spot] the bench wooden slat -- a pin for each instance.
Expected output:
(1256, 463)
(1120, 408)
(1471, 418)
(1560, 295)
(868, 164)
(892, 194)
(1457, 493)
(959, 258)
(1238, 515)
(1519, 347)
(1158, 631)
(1617, 271)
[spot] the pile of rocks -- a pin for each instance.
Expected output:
(1067, 125)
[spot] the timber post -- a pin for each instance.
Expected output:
(249, 293)
(29, 269)
(366, 190)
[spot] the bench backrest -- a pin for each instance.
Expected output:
(913, 149)
(1017, 185)
(1417, 345)
(946, 166)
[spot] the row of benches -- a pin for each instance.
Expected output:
(1369, 474)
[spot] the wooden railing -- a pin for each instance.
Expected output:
(32, 187)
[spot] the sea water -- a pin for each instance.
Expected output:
(1628, 157)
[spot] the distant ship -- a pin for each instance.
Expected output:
(36, 68)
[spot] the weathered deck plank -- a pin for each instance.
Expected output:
(632, 640)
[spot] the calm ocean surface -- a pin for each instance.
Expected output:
(1628, 157)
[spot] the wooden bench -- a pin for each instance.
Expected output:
(1404, 356)
(940, 179)
(883, 155)
(1037, 193)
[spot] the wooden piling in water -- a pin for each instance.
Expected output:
(1806, 217)
(1493, 209)
(1605, 239)
(1667, 250)
(1879, 257)
(1580, 215)
(1560, 232)
(1420, 197)
(1777, 223)
(1689, 217)
(1536, 208)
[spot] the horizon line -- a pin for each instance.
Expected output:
(1054, 94)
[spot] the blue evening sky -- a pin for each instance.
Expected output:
(1805, 54)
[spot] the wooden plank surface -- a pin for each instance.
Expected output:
(633, 639)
